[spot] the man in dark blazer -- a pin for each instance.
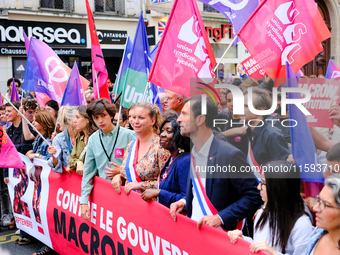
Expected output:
(230, 188)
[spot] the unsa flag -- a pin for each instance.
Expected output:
(184, 50)
(280, 31)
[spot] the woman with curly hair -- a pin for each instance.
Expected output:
(172, 181)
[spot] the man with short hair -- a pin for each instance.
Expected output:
(173, 101)
(266, 142)
(232, 194)
(105, 147)
(30, 107)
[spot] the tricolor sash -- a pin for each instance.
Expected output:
(131, 161)
(206, 206)
(253, 164)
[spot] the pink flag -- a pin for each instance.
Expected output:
(9, 157)
(281, 31)
(99, 72)
(184, 51)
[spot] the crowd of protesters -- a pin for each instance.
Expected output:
(148, 152)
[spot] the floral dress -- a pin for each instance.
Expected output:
(149, 166)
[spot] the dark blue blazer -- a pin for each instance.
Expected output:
(173, 188)
(234, 195)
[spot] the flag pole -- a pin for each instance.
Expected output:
(146, 87)
(22, 96)
(96, 81)
(56, 123)
(219, 62)
(23, 116)
(120, 110)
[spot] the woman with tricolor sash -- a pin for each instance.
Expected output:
(172, 181)
(144, 158)
(283, 224)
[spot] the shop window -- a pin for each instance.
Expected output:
(67, 5)
(207, 8)
(110, 6)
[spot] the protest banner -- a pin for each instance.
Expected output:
(252, 68)
(324, 94)
(46, 206)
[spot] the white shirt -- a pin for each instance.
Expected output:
(201, 159)
(298, 238)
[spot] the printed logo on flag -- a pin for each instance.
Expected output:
(335, 74)
(161, 27)
(187, 35)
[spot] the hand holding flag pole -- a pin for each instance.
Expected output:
(23, 116)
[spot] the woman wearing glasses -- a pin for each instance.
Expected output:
(281, 226)
(325, 238)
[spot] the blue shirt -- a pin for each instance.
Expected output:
(63, 141)
(96, 159)
(173, 188)
(314, 239)
(40, 147)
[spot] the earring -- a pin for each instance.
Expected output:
(180, 150)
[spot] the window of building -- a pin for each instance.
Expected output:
(67, 5)
(207, 8)
(110, 6)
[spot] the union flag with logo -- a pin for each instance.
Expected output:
(280, 31)
(184, 50)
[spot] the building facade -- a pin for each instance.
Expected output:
(63, 25)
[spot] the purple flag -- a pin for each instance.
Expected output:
(14, 94)
(27, 43)
(72, 93)
(236, 11)
(303, 148)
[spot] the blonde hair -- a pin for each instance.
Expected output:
(62, 115)
(154, 112)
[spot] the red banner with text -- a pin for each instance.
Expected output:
(49, 210)
(324, 94)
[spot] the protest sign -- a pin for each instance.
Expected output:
(325, 93)
(120, 224)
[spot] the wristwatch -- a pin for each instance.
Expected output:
(36, 155)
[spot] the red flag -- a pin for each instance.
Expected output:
(99, 72)
(184, 51)
(9, 157)
(280, 31)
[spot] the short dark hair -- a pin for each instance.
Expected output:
(99, 105)
(53, 104)
(2, 107)
(334, 153)
(15, 80)
(196, 107)
(263, 99)
(178, 140)
(31, 104)
(15, 103)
